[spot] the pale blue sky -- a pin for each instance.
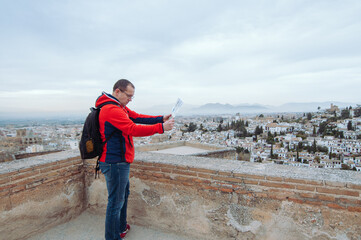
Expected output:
(60, 55)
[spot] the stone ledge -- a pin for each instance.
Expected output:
(260, 169)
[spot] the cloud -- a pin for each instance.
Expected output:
(204, 51)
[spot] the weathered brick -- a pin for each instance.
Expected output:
(225, 174)
(182, 168)
(17, 189)
(276, 185)
(335, 206)
(349, 201)
(242, 191)
(335, 184)
(7, 186)
(158, 175)
(228, 190)
(296, 200)
(197, 180)
(354, 209)
(278, 179)
(45, 165)
(47, 169)
(306, 188)
(176, 171)
(292, 180)
(227, 179)
(24, 175)
(182, 178)
(251, 182)
(317, 203)
(307, 195)
(188, 183)
(164, 180)
(168, 170)
(162, 165)
(203, 175)
(153, 169)
(353, 186)
(208, 187)
(338, 191)
(5, 180)
(7, 174)
(23, 170)
(242, 175)
(202, 170)
(5, 192)
(324, 197)
(260, 194)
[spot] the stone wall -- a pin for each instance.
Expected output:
(206, 198)
(39, 193)
(213, 199)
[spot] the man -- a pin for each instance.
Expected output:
(118, 124)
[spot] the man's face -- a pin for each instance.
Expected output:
(124, 97)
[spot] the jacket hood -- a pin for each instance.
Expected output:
(106, 97)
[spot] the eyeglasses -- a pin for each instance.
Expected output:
(129, 96)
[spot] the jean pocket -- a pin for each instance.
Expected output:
(105, 168)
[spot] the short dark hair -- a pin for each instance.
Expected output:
(122, 84)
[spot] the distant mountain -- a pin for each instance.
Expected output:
(219, 108)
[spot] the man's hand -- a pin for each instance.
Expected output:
(168, 125)
(166, 117)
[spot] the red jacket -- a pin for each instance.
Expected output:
(122, 121)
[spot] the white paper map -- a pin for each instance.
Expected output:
(176, 107)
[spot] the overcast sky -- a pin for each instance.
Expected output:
(58, 56)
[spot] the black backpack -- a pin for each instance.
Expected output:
(91, 144)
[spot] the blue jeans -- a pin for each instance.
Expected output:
(117, 179)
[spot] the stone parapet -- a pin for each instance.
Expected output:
(206, 198)
(40, 192)
(213, 199)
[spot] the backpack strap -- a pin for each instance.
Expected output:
(97, 167)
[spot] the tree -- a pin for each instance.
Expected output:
(345, 166)
(258, 130)
(314, 131)
(192, 127)
(349, 126)
(219, 128)
(298, 155)
(261, 116)
(270, 138)
(314, 146)
(309, 116)
(345, 113)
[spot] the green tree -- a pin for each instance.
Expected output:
(219, 128)
(345, 113)
(314, 146)
(258, 130)
(192, 127)
(349, 126)
(309, 116)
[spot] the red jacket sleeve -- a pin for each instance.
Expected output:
(119, 118)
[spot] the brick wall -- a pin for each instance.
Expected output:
(206, 198)
(35, 197)
(195, 196)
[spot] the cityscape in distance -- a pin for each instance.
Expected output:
(327, 137)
